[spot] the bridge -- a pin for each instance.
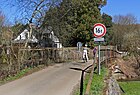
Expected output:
(106, 55)
(50, 79)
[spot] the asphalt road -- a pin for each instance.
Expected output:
(59, 79)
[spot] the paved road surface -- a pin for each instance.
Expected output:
(54, 80)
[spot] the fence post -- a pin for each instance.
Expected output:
(91, 76)
(106, 55)
(110, 54)
(19, 60)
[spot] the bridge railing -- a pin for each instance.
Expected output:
(106, 57)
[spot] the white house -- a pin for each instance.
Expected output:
(55, 40)
(25, 35)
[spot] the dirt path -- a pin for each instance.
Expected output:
(54, 80)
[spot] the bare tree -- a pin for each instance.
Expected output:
(128, 19)
(127, 34)
(123, 25)
(31, 10)
(2, 20)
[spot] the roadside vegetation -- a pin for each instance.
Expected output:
(21, 74)
(97, 85)
(17, 76)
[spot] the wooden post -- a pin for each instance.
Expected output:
(110, 54)
(91, 76)
(19, 60)
(106, 55)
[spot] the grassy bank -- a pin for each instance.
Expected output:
(131, 87)
(97, 85)
(21, 74)
(17, 76)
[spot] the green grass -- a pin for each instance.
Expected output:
(98, 82)
(21, 74)
(97, 85)
(17, 76)
(131, 87)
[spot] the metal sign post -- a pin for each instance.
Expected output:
(79, 45)
(99, 63)
(99, 30)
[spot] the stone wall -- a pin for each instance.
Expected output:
(113, 87)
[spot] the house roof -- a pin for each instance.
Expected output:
(24, 36)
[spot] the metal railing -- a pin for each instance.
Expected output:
(106, 57)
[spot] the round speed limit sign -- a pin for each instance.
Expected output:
(99, 30)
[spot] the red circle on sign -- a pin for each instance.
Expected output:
(104, 30)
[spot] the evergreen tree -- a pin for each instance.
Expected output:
(107, 21)
(73, 20)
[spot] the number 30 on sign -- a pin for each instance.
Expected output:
(99, 30)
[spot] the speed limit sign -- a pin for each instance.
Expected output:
(99, 30)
